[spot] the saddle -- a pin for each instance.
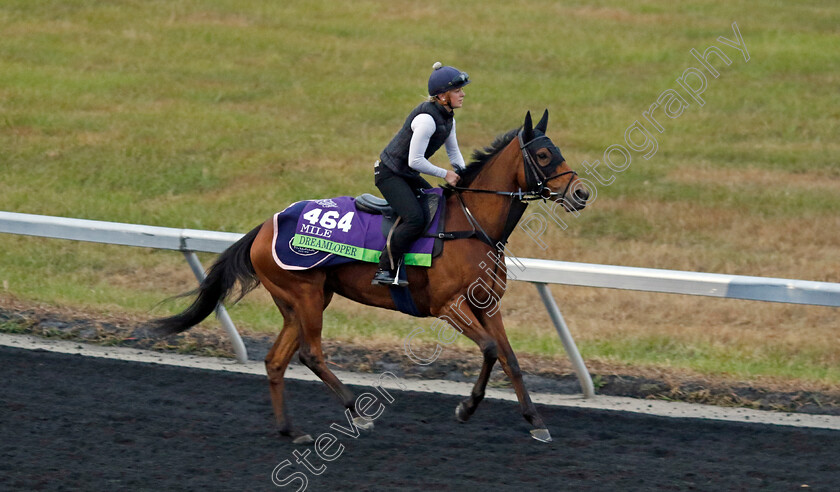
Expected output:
(378, 206)
(373, 205)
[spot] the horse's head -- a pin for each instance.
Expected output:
(545, 172)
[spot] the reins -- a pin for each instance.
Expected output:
(539, 191)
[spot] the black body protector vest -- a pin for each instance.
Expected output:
(395, 155)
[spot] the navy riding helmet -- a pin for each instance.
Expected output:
(446, 78)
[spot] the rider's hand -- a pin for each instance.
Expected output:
(452, 178)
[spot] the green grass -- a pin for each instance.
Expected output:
(215, 114)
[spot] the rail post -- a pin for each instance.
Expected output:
(221, 313)
(566, 338)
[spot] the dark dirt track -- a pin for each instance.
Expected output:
(76, 423)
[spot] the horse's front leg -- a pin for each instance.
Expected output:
(507, 358)
(460, 315)
(488, 332)
(467, 407)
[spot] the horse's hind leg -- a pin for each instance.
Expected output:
(276, 362)
(312, 356)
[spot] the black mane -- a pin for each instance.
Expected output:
(482, 157)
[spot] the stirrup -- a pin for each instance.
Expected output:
(388, 278)
(400, 279)
(384, 277)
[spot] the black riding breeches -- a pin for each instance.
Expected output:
(401, 193)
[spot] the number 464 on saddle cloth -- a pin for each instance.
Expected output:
(332, 231)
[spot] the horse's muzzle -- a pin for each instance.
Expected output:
(577, 201)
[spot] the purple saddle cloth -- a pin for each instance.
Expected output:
(332, 231)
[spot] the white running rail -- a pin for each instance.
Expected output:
(538, 272)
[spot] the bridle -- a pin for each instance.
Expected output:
(535, 175)
(536, 178)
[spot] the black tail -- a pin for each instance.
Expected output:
(234, 264)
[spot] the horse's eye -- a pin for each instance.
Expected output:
(543, 155)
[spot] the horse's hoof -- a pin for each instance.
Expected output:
(363, 423)
(304, 440)
(461, 412)
(297, 436)
(541, 435)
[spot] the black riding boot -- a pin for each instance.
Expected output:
(401, 193)
(385, 275)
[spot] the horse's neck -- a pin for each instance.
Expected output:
(491, 211)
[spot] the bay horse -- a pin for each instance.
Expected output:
(483, 210)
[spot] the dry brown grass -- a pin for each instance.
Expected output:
(755, 177)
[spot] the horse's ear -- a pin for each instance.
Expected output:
(528, 129)
(543, 124)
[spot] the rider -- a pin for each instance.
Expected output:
(397, 173)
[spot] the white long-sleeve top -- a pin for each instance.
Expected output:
(423, 126)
